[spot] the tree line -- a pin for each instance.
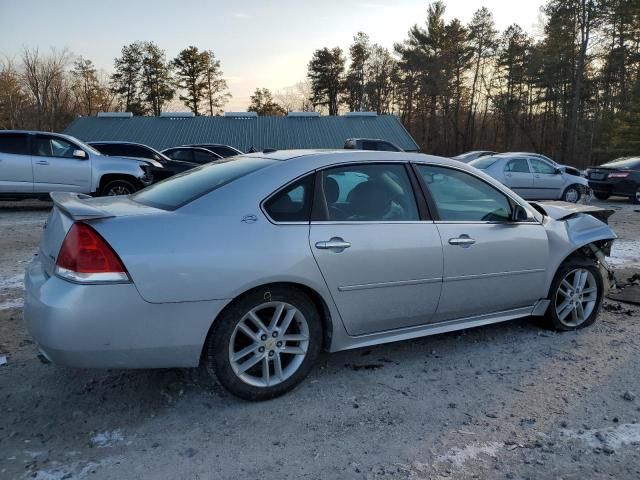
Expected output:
(46, 91)
(572, 93)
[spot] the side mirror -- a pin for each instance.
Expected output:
(81, 154)
(558, 171)
(519, 214)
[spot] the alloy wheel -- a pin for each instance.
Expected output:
(572, 195)
(576, 297)
(118, 190)
(269, 344)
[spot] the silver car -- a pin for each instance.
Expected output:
(535, 178)
(251, 266)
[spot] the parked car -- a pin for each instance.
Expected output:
(196, 155)
(252, 266)
(164, 167)
(371, 144)
(565, 168)
(534, 178)
(32, 164)
(225, 151)
(469, 156)
(619, 177)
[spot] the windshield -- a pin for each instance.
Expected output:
(185, 187)
(630, 163)
(483, 162)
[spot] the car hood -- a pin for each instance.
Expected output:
(147, 161)
(564, 210)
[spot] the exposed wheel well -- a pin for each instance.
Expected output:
(105, 179)
(315, 297)
(585, 252)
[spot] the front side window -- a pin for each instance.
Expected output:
(53, 147)
(461, 197)
(293, 203)
(518, 165)
(14, 143)
(200, 156)
(362, 193)
(181, 154)
(540, 166)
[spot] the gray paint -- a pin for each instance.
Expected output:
(244, 133)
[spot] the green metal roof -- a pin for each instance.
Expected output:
(243, 133)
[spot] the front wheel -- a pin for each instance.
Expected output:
(571, 194)
(576, 295)
(265, 343)
(118, 187)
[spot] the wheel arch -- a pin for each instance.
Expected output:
(109, 177)
(315, 297)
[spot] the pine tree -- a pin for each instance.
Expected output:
(326, 72)
(191, 67)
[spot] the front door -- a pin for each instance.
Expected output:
(56, 169)
(491, 264)
(382, 263)
(15, 164)
(547, 180)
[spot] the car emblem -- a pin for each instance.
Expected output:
(249, 219)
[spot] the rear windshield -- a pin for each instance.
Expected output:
(630, 163)
(483, 162)
(187, 186)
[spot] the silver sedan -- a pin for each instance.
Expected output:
(534, 177)
(253, 265)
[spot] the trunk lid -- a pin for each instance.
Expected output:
(69, 208)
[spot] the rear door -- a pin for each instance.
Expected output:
(16, 174)
(56, 169)
(491, 264)
(518, 177)
(548, 183)
(380, 256)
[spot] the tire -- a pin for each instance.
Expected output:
(601, 195)
(636, 197)
(118, 187)
(571, 194)
(244, 376)
(563, 313)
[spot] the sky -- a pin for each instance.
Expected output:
(264, 44)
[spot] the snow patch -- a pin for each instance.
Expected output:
(459, 456)
(77, 470)
(108, 438)
(625, 253)
(9, 304)
(613, 437)
(14, 281)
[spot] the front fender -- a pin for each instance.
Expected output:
(115, 166)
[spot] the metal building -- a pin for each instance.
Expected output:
(243, 130)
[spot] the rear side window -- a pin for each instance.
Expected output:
(187, 186)
(482, 163)
(293, 203)
(14, 143)
(181, 154)
(200, 156)
(518, 165)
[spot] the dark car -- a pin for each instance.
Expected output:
(225, 151)
(167, 168)
(197, 155)
(371, 144)
(620, 177)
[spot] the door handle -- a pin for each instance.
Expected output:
(336, 243)
(42, 162)
(463, 241)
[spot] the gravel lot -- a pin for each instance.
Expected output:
(506, 401)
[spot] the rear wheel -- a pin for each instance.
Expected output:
(636, 198)
(118, 187)
(265, 343)
(576, 295)
(571, 194)
(601, 195)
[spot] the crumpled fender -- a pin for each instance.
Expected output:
(562, 210)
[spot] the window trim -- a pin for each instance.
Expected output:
(319, 215)
(434, 208)
(313, 174)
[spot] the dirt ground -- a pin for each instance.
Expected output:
(509, 401)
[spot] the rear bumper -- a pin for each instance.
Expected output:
(621, 187)
(112, 326)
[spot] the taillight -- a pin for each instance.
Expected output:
(618, 174)
(86, 257)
